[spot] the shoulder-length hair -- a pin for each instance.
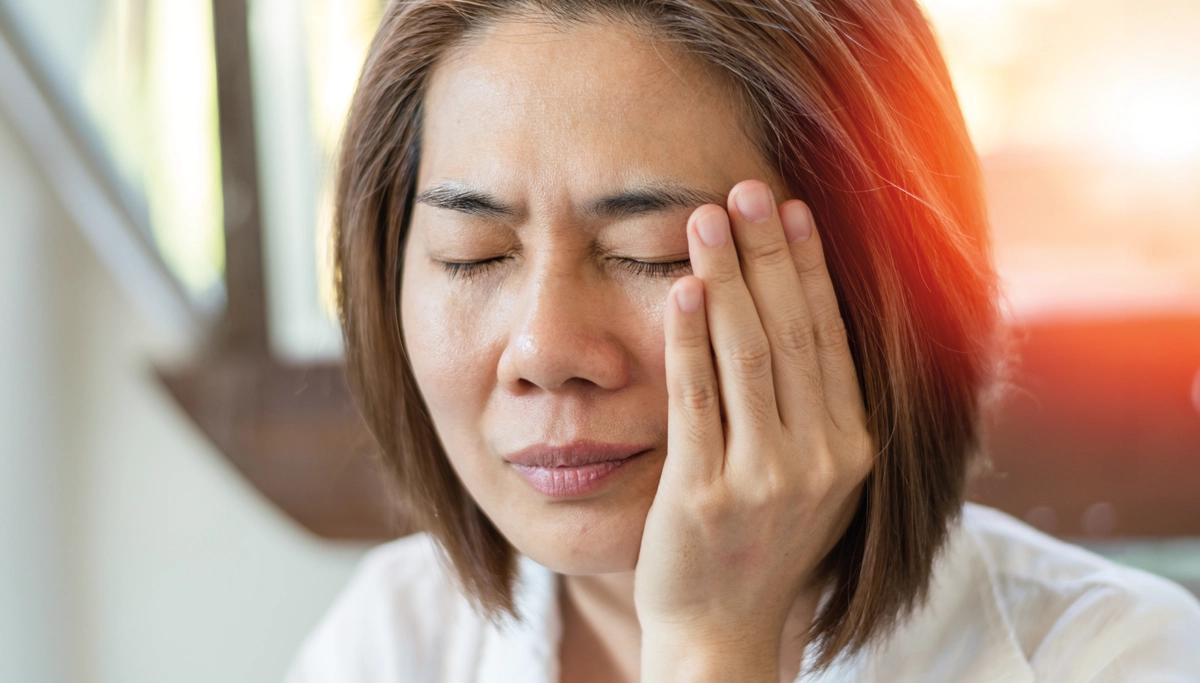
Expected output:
(852, 103)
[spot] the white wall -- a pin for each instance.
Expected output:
(34, 472)
(130, 550)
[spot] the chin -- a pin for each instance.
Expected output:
(599, 536)
(608, 547)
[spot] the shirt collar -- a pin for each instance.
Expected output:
(962, 633)
(525, 650)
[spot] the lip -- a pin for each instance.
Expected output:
(572, 469)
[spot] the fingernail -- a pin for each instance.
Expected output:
(689, 299)
(713, 228)
(754, 202)
(796, 225)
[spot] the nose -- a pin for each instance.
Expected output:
(562, 336)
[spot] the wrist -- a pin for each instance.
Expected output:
(672, 656)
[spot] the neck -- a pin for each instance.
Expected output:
(602, 640)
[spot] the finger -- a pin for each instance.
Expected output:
(839, 376)
(778, 296)
(740, 348)
(695, 438)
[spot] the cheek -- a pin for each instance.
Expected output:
(646, 334)
(452, 349)
(455, 344)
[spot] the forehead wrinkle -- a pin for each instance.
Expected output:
(532, 119)
(651, 197)
(639, 198)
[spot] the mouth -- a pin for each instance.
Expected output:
(573, 469)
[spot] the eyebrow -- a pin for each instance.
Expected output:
(456, 197)
(637, 200)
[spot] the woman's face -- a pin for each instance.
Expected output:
(562, 168)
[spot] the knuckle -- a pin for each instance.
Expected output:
(775, 485)
(823, 476)
(830, 332)
(768, 253)
(698, 396)
(723, 275)
(750, 359)
(794, 338)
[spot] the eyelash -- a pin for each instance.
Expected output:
(467, 269)
(660, 269)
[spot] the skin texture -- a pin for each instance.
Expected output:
(559, 332)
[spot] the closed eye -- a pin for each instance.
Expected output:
(467, 269)
(658, 269)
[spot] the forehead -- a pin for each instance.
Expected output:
(589, 105)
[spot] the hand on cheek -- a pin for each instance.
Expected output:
(747, 508)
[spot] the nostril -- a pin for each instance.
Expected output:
(566, 356)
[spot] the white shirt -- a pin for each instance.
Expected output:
(1008, 604)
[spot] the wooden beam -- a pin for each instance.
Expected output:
(295, 434)
(245, 322)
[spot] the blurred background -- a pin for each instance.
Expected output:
(184, 484)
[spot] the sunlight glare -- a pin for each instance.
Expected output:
(1155, 119)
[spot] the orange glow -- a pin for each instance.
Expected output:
(1086, 114)
(1196, 392)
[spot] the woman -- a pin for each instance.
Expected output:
(675, 320)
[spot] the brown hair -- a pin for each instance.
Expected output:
(852, 103)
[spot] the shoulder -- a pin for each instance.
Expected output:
(1077, 616)
(394, 620)
(1009, 603)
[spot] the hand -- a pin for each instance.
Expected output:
(766, 451)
